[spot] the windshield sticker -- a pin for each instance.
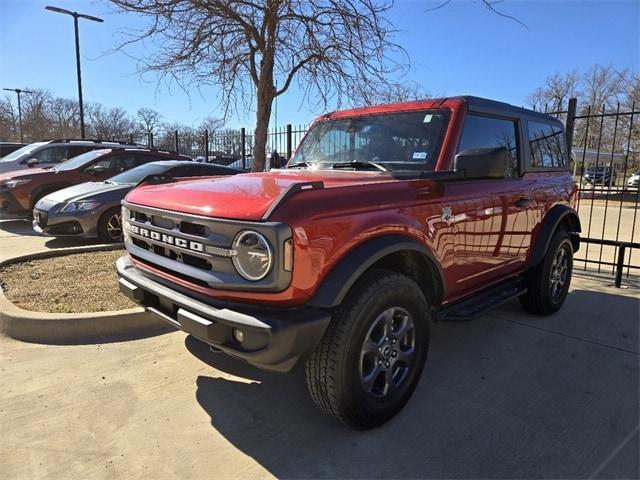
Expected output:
(419, 155)
(427, 118)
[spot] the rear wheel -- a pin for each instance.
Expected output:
(548, 283)
(371, 357)
(110, 226)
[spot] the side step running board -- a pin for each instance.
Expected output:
(481, 302)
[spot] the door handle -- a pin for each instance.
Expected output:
(523, 202)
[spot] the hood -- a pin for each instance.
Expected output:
(88, 191)
(241, 197)
(25, 173)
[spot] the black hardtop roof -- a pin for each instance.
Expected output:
(485, 104)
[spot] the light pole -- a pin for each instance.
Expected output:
(18, 91)
(75, 16)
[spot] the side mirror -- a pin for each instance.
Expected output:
(32, 162)
(96, 169)
(477, 163)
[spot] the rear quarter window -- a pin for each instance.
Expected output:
(547, 145)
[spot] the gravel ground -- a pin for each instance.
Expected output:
(83, 282)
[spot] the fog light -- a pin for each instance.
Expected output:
(238, 335)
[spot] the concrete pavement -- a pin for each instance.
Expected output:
(508, 395)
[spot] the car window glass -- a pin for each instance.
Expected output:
(110, 164)
(51, 155)
(547, 145)
(75, 150)
(142, 159)
(398, 141)
(193, 170)
(124, 162)
(488, 132)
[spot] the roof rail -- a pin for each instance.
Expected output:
(93, 140)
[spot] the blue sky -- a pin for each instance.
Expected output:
(458, 49)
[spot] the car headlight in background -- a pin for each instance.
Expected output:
(9, 184)
(253, 257)
(79, 206)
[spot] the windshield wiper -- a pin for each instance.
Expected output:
(298, 165)
(358, 164)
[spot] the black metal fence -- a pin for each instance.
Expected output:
(224, 146)
(605, 161)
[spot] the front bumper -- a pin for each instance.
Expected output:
(9, 203)
(50, 222)
(273, 339)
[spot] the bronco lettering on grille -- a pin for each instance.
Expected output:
(168, 239)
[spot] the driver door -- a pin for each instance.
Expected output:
(492, 219)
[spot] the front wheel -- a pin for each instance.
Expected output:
(371, 357)
(548, 283)
(110, 226)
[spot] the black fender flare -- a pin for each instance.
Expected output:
(550, 223)
(344, 275)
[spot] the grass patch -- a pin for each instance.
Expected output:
(81, 282)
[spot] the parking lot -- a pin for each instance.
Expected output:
(507, 395)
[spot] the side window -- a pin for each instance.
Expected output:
(142, 159)
(74, 151)
(487, 132)
(52, 155)
(126, 162)
(106, 162)
(547, 145)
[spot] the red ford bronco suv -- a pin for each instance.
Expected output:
(385, 219)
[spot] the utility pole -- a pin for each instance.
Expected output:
(18, 91)
(75, 16)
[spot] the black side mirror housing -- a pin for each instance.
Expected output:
(479, 163)
(32, 162)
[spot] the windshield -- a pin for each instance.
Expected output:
(26, 150)
(81, 160)
(397, 141)
(134, 175)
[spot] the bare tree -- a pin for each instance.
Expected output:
(602, 85)
(64, 115)
(211, 124)
(556, 92)
(388, 93)
(109, 123)
(36, 122)
(246, 47)
(149, 122)
(8, 120)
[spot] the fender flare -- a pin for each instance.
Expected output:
(549, 225)
(350, 268)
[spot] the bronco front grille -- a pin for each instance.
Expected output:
(198, 248)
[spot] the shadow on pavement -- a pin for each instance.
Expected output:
(17, 226)
(22, 227)
(508, 395)
(65, 242)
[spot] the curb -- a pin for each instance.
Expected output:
(74, 328)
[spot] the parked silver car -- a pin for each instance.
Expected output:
(92, 209)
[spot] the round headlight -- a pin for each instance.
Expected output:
(253, 256)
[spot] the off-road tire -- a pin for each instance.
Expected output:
(333, 371)
(103, 227)
(538, 299)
